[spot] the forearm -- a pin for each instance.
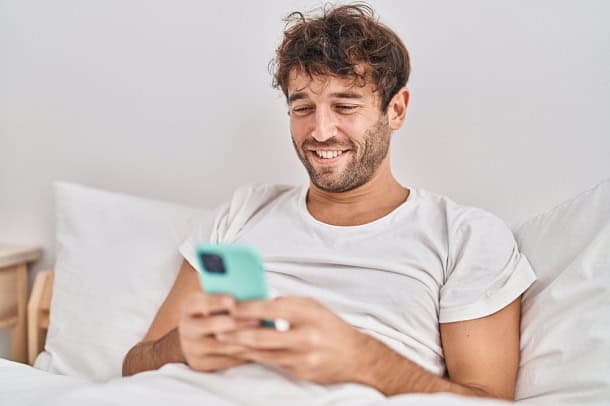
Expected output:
(153, 355)
(392, 374)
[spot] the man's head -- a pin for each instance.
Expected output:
(343, 74)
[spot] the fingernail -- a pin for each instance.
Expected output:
(228, 301)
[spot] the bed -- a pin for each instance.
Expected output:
(86, 314)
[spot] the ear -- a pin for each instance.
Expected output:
(397, 109)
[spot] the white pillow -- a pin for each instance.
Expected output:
(117, 258)
(565, 326)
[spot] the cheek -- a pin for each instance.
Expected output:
(354, 124)
(298, 130)
(354, 131)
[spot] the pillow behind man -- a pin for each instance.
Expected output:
(565, 326)
(117, 258)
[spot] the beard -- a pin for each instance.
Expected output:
(363, 159)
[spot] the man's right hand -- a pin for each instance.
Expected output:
(202, 317)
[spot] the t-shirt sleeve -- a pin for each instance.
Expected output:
(227, 221)
(485, 270)
(203, 231)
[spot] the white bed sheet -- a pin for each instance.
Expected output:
(177, 384)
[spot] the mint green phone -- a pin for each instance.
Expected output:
(236, 270)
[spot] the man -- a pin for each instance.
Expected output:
(396, 288)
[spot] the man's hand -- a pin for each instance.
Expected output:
(319, 346)
(203, 316)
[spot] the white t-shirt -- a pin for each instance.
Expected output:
(427, 262)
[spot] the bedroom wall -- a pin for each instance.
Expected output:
(172, 101)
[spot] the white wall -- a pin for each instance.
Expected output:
(172, 100)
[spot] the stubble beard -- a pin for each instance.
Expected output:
(362, 165)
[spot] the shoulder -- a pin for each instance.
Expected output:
(256, 195)
(465, 219)
(260, 191)
(248, 200)
(468, 223)
(469, 231)
(478, 238)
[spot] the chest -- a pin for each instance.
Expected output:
(396, 267)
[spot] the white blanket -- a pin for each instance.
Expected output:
(176, 384)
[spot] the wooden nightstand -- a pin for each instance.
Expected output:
(13, 295)
(39, 309)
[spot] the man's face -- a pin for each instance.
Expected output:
(338, 130)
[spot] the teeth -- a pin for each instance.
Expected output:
(328, 154)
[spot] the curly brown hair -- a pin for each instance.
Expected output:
(338, 42)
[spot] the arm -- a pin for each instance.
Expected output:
(184, 330)
(482, 355)
(150, 355)
(482, 358)
(161, 344)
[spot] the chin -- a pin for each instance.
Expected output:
(331, 187)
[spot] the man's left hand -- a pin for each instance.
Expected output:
(319, 346)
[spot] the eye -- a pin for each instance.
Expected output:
(302, 110)
(346, 107)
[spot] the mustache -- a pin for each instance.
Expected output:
(330, 143)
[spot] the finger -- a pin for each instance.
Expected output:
(201, 304)
(211, 363)
(259, 309)
(263, 338)
(197, 327)
(245, 324)
(292, 309)
(215, 347)
(210, 346)
(200, 327)
(269, 357)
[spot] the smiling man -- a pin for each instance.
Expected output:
(388, 286)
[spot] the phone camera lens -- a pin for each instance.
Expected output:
(213, 263)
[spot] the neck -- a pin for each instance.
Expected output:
(364, 204)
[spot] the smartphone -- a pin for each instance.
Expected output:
(236, 270)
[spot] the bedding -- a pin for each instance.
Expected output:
(177, 384)
(565, 326)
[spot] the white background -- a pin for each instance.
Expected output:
(171, 100)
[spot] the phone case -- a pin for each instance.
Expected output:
(236, 270)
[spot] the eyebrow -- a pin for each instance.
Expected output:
(340, 95)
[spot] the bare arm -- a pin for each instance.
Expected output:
(150, 355)
(482, 355)
(161, 345)
(482, 358)
(184, 330)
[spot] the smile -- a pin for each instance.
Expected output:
(327, 156)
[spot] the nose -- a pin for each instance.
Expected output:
(325, 126)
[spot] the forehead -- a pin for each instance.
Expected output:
(300, 83)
